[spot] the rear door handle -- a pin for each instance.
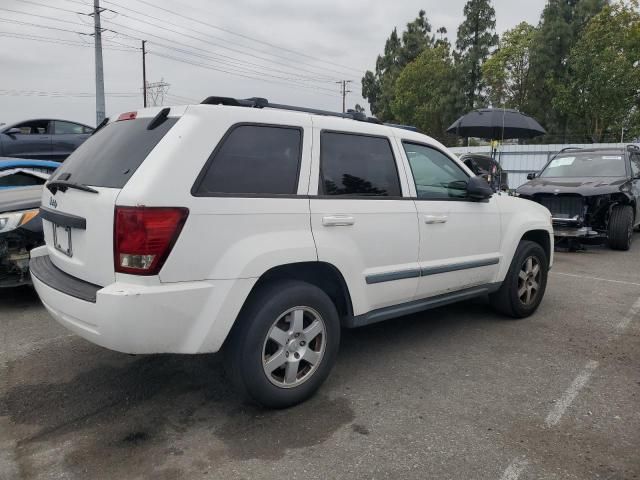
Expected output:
(432, 219)
(338, 220)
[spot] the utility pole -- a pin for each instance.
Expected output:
(100, 105)
(144, 74)
(344, 91)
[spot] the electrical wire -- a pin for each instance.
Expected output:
(61, 41)
(146, 15)
(210, 25)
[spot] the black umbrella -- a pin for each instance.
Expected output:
(496, 124)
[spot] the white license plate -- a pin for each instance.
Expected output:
(62, 239)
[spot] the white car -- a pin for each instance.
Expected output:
(263, 229)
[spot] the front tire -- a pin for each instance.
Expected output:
(523, 288)
(621, 227)
(284, 344)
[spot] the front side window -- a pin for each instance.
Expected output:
(357, 165)
(635, 164)
(436, 176)
(254, 159)
(36, 127)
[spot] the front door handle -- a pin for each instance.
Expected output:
(338, 220)
(432, 219)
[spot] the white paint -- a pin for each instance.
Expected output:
(570, 394)
(515, 469)
(631, 314)
(587, 277)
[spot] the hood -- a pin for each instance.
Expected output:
(21, 198)
(587, 186)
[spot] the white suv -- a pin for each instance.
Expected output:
(263, 229)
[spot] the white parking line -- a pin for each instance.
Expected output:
(570, 394)
(587, 277)
(515, 469)
(631, 314)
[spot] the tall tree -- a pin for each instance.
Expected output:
(603, 88)
(476, 40)
(378, 87)
(424, 91)
(561, 23)
(506, 72)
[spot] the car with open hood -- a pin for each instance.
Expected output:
(593, 195)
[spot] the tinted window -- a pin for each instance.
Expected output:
(357, 165)
(36, 127)
(60, 128)
(20, 179)
(255, 159)
(435, 174)
(113, 154)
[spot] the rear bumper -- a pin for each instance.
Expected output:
(185, 317)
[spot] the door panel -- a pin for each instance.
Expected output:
(33, 143)
(67, 136)
(363, 219)
(459, 238)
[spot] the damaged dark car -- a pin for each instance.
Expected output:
(593, 195)
(20, 231)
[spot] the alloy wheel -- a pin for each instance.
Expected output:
(294, 347)
(529, 280)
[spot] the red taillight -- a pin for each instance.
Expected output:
(127, 116)
(144, 237)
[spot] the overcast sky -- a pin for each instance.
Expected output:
(341, 38)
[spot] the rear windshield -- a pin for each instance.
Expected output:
(586, 165)
(109, 157)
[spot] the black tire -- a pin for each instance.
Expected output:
(621, 227)
(249, 338)
(507, 300)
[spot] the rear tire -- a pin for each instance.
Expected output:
(621, 227)
(284, 344)
(523, 288)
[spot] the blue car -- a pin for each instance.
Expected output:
(43, 139)
(19, 172)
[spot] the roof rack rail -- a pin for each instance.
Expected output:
(404, 127)
(257, 102)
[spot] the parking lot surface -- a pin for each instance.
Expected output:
(454, 393)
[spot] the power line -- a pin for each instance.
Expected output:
(18, 22)
(60, 41)
(51, 7)
(211, 67)
(42, 16)
(41, 93)
(245, 36)
(315, 73)
(147, 15)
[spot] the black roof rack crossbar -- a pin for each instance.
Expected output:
(256, 102)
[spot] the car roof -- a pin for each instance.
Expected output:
(6, 126)
(9, 162)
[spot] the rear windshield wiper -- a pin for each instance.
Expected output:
(62, 185)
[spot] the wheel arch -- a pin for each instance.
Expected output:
(542, 238)
(323, 275)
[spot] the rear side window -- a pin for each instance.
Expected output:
(111, 156)
(357, 165)
(253, 159)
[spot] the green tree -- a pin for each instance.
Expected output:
(475, 42)
(506, 72)
(424, 90)
(379, 87)
(602, 93)
(561, 23)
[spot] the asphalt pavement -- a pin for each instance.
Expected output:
(455, 393)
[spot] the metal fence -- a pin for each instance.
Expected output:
(518, 160)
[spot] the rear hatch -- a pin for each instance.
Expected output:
(78, 221)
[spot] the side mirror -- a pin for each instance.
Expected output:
(478, 189)
(13, 131)
(531, 176)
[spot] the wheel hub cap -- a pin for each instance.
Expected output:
(294, 347)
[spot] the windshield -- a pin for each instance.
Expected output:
(586, 165)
